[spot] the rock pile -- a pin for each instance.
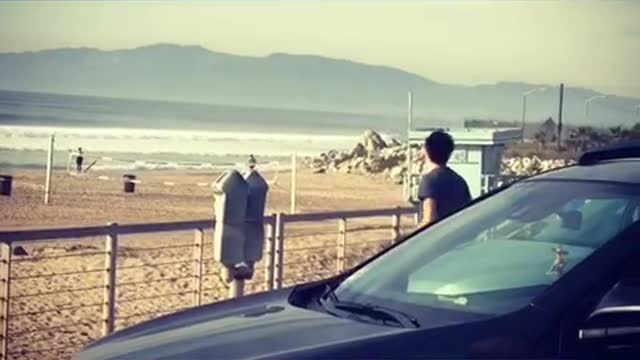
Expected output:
(375, 156)
(530, 165)
(371, 156)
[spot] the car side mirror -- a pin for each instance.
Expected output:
(615, 322)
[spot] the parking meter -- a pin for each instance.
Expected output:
(256, 202)
(230, 192)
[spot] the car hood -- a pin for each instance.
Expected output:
(250, 327)
(492, 265)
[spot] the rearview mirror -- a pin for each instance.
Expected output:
(615, 323)
(571, 219)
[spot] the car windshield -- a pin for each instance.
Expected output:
(495, 256)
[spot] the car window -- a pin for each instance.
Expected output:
(636, 213)
(497, 255)
(598, 218)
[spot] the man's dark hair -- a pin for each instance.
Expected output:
(439, 146)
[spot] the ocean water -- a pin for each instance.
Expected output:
(140, 134)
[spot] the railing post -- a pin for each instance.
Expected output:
(342, 244)
(271, 247)
(109, 296)
(5, 297)
(395, 227)
(198, 245)
(294, 179)
(279, 252)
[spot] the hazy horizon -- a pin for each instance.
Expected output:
(589, 44)
(444, 82)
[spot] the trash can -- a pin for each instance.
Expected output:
(6, 182)
(129, 184)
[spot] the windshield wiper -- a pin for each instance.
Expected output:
(372, 311)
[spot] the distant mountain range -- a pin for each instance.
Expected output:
(195, 74)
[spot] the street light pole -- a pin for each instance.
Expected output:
(524, 109)
(588, 101)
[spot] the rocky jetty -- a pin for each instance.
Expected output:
(373, 156)
(530, 165)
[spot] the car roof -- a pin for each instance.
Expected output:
(616, 162)
(622, 171)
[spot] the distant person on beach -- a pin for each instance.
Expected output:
(251, 162)
(79, 159)
(442, 191)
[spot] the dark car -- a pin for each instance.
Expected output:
(547, 267)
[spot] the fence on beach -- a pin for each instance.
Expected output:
(30, 303)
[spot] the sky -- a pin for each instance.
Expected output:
(594, 44)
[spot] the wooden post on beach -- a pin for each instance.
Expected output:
(47, 183)
(294, 165)
(109, 295)
(279, 252)
(395, 227)
(342, 245)
(270, 260)
(5, 296)
(198, 255)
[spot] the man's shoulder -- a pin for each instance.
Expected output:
(434, 173)
(460, 180)
(438, 178)
(454, 173)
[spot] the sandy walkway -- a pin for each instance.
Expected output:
(56, 289)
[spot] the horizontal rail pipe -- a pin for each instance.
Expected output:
(348, 214)
(78, 233)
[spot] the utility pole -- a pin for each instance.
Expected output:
(524, 109)
(408, 174)
(587, 102)
(560, 108)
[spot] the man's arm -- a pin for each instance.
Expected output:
(427, 194)
(428, 211)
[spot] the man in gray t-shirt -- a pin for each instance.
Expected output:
(442, 191)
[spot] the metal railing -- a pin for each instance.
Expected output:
(33, 297)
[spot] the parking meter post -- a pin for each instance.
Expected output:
(231, 192)
(239, 233)
(236, 289)
(238, 274)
